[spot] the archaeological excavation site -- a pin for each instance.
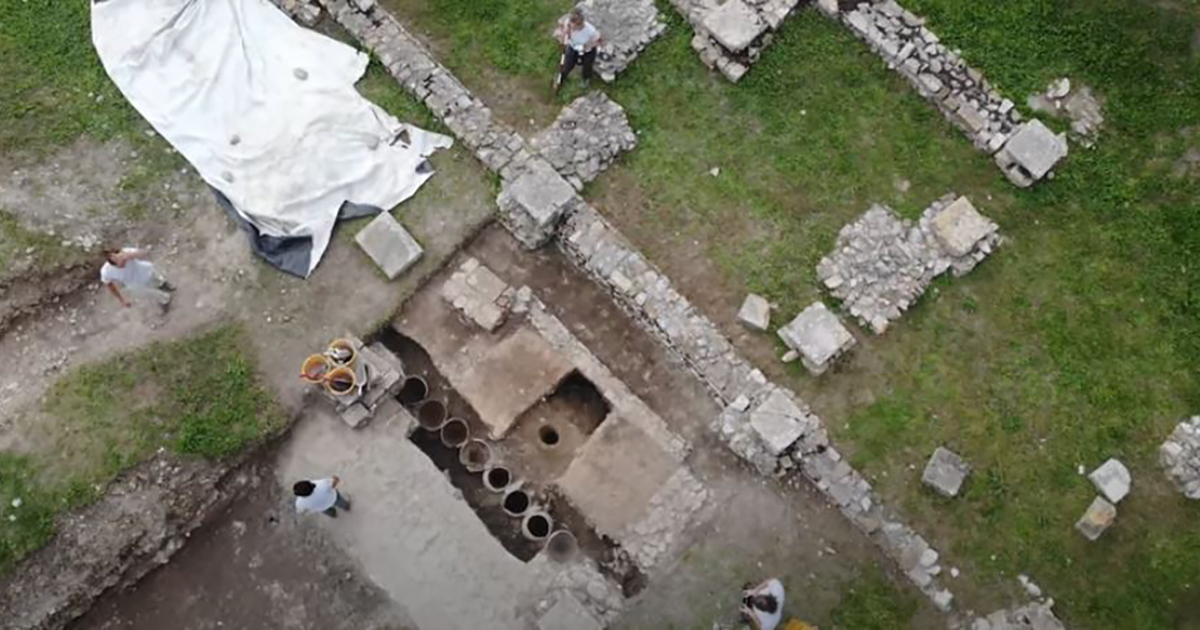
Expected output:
(599, 314)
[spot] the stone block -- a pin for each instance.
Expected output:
(1112, 479)
(1031, 152)
(389, 245)
(478, 294)
(1099, 517)
(959, 227)
(818, 335)
(971, 119)
(734, 25)
(778, 421)
(945, 472)
(755, 312)
(568, 614)
(533, 203)
(355, 415)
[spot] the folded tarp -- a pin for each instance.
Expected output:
(267, 113)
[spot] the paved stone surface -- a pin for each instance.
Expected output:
(734, 25)
(389, 245)
(945, 472)
(1030, 153)
(1112, 479)
(568, 614)
(779, 422)
(819, 337)
(755, 313)
(1099, 517)
(586, 138)
(529, 368)
(628, 26)
(478, 294)
(881, 263)
(1180, 456)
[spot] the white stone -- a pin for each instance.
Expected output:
(1034, 149)
(818, 335)
(389, 245)
(755, 312)
(568, 614)
(778, 421)
(734, 25)
(1112, 479)
(959, 227)
(945, 472)
(1099, 517)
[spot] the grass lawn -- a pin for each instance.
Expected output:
(1075, 342)
(198, 397)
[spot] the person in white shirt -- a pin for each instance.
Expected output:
(762, 605)
(580, 41)
(320, 495)
(127, 271)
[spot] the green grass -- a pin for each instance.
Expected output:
(1075, 342)
(873, 603)
(198, 397)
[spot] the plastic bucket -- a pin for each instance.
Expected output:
(341, 381)
(342, 352)
(315, 368)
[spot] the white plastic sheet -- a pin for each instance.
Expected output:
(265, 110)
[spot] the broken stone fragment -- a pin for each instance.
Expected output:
(1112, 479)
(945, 472)
(1099, 517)
(755, 312)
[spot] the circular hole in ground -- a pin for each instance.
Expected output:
(499, 477)
(548, 435)
(538, 526)
(516, 502)
(413, 391)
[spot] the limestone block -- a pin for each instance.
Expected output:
(533, 203)
(945, 472)
(389, 245)
(818, 335)
(1112, 479)
(959, 227)
(1099, 517)
(778, 421)
(734, 25)
(1031, 152)
(568, 614)
(755, 312)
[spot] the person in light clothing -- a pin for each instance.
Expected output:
(320, 495)
(580, 42)
(762, 605)
(127, 273)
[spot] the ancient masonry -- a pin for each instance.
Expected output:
(765, 424)
(881, 263)
(585, 138)
(628, 26)
(1026, 152)
(1180, 455)
(730, 36)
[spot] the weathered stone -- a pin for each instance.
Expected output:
(1180, 456)
(389, 245)
(568, 614)
(945, 472)
(1099, 516)
(1112, 479)
(1030, 153)
(959, 227)
(734, 25)
(478, 294)
(532, 204)
(755, 312)
(778, 421)
(588, 135)
(818, 335)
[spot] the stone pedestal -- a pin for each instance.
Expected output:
(389, 245)
(532, 204)
(819, 337)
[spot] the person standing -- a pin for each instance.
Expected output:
(580, 43)
(320, 495)
(129, 271)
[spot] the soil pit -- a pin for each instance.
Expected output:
(548, 434)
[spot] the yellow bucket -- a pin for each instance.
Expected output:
(341, 381)
(342, 353)
(315, 368)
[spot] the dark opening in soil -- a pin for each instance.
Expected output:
(413, 391)
(538, 525)
(548, 435)
(516, 502)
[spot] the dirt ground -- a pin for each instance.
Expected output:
(259, 565)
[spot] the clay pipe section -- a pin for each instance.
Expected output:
(497, 478)
(516, 503)
(431, 415)
(474, 455)
(413, 391)
(536, 526)
(561, 546)
(455, 433)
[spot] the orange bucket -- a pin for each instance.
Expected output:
(315, 368)
(341, 381)
(341, 352)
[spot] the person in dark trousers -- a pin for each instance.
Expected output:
(320, 495)
(580, 43)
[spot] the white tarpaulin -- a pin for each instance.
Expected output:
(265, 110)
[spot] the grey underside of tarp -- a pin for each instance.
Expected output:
(288, 254)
